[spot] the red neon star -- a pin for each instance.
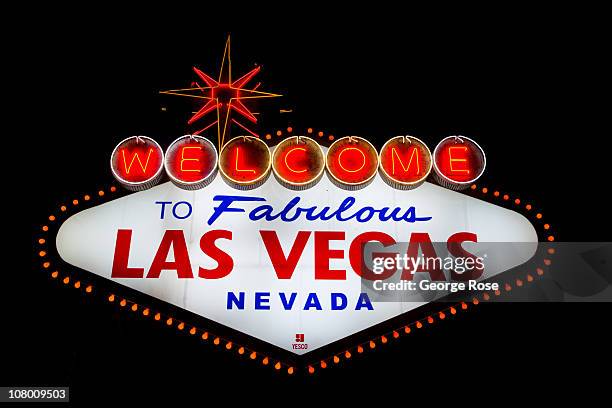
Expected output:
(223, 96)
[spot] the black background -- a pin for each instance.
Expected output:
(523, 83)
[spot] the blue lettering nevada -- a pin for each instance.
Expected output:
(338, 301)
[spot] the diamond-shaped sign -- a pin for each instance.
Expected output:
(253, 298)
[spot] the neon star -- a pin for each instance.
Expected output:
(223, 96)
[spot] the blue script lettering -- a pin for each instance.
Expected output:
(291, 212)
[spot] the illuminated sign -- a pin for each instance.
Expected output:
(352, 162)
(191, 162)
(245, 162)
(458, 162)
(405, 162)
(223, 98)
(137, 162)
(298, 162)
(280, 258)
(274, 254)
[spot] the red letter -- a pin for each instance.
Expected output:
(346, 149)
(415, 153)
(181, 264)
(323, 254)
(225, 263)
(422, 240)
(287, 156)
(454, 247)
(356, 254)
(237, 169)
(461, 160)
(284, 267)
(184, 159)
(122, 253)
(135, 156)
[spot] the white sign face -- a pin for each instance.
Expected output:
(252, 298)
